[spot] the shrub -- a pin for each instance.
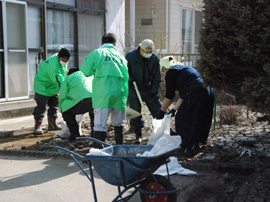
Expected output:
(235, 50)
(228, 114)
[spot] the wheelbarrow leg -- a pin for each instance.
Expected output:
(93, 183)
(91, 178)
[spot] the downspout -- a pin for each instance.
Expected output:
(132, 24)
(167, 24)
(4, 20)
(45, 30)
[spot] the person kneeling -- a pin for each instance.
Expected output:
(75, 98)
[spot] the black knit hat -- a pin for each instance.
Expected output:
(72, 70)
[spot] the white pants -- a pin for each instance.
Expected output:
(102, 115)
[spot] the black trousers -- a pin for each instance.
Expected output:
(153, 103)
(42, 101)
(69, 116)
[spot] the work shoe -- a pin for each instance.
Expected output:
(52, 123)
(72, 138)
(37, 128)
(138, 137)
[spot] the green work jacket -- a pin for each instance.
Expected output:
(50, 76)
(110, 83)
(75, 88)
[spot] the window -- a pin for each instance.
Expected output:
(60, 32)
(198, 24)
(67, 2)
(34, 26)
(146, 21)
(91, 4)
(35, 47)
(90, 32)
(17, 50)
(187, 31)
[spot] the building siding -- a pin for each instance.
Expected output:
(154, 32)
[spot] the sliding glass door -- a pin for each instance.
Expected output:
(16, 37)
(2, 75)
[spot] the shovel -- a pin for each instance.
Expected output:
(140, 99)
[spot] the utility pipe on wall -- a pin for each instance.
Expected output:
(45, 30)
(132, 24)
(167, 25)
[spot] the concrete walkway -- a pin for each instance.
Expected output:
(24, 122)
(29, 179)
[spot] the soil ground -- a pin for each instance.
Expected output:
(232, 166)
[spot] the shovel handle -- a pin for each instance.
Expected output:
(140, 99)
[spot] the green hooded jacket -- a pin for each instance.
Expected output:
(50, 76)
(110, 83)
(75, 88)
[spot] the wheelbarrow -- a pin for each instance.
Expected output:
(123, 168)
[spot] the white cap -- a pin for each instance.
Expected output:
(146, 43)
(167, 62)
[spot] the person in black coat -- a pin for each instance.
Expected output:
(144, 69)
(194, 108)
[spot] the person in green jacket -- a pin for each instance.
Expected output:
(75, 98)
(110, 87)
(47, 83)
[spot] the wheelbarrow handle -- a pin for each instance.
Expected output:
(95, 140)
(68, 151)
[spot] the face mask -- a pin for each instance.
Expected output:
(63, 63)
(147, 55)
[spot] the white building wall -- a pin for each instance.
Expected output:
(115, 21)
(174, 25)
(147, 9)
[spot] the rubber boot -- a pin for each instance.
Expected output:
(99, 135)
(37, 127)
(138, 137)
(118, 134)
(52, 123)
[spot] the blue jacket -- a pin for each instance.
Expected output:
(144, 71)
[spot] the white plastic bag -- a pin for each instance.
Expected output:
(174, 167)
(97, 152)
(166, 143)
(65, 133)
(160, 127)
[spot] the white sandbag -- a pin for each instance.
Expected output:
(174, 167)
(160, 127)
(65, 133)
(164, 144)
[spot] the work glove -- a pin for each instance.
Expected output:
(160, 114)
(172, 112)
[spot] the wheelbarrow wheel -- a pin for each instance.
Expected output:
(149, 184)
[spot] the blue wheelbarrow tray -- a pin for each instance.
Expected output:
(123, 167)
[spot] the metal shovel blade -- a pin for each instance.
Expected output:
(131, 113)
